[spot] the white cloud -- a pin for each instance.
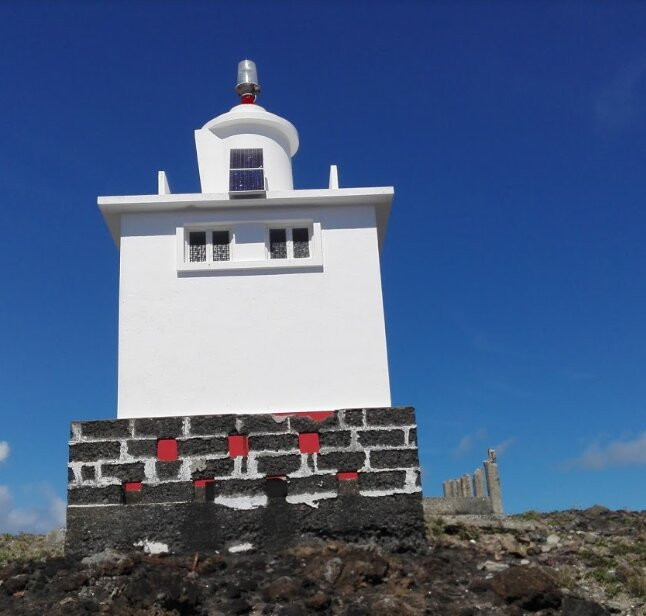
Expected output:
(618, 104)
(501, 448)
(468, 441)
(615, 453)
(4, 450)
(41, 519)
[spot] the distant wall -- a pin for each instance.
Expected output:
(458, 506)
(467, 495)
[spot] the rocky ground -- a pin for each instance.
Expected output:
(577, 563)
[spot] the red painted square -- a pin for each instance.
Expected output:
(201, 483)
(238, 445)
(308, 442)
(132, 486)
(347, 476)
(167, 449)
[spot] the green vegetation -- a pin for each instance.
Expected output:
(27, 547)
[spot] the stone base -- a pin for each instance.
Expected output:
(203, 483)
(394, 522)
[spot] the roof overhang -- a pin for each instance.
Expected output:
(381, 198)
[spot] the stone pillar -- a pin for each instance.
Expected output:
(493, 482)
(465, 486)
(478, 483)
(455, 488)
(446, 489)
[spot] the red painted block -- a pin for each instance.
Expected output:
(313, 415)
(347, 476)
(308, 442)
(167, 449)
(132, 486)
(238, 445)
(201, 483)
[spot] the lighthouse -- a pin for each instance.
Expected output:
(250, 296)
(253, 395)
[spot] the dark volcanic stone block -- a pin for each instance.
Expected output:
(391, 416)
(161, 427)
(394, 522)
(302, 423)
(213, 424)
(353, 417)
(202, 446)
(133, 471)
(275, 488)
(388, 480)
(88, 473)
(394, 458)
(108, 495)
(70, 475)
(273, 442)
(341, 460)
(412, 436)
(340, 438)
(278, 465)
(263, 423)
(168, 470)
(372, 438)
(113, 428)
(205, 469)
(313, 484)
(91, 452)
(143, 448)
(239, 487)
(171, 492)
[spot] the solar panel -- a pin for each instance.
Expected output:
(246, 179)
(246, 158)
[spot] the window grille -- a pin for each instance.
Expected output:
(197, 246)
(301, 240)
(278, 243)
(221, 243)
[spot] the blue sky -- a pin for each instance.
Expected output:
(513, 273)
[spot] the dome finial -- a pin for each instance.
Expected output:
(248, 87)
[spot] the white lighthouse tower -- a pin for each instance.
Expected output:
(250, 296)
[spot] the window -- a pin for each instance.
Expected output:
(204, 246)
(301, 239)
(246, 170)
(278, 243)
(293, 243)
(250, 244)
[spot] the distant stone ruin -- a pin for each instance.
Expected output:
(466, 495)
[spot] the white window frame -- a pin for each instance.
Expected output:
(314, 261)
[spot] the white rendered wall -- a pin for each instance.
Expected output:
(251, 341)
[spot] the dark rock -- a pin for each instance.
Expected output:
(371, 438)
(529, 588)
(282, 589)
(574, 606)
(106, 428)
(338, 438)
(143, 448)
(396, 416)
(160, 427)
(394, 458)
(353, 417)
(278, 465)
(94, 451)
(202, 446)
(273, 442)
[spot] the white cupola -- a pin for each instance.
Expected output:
(247, 150)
